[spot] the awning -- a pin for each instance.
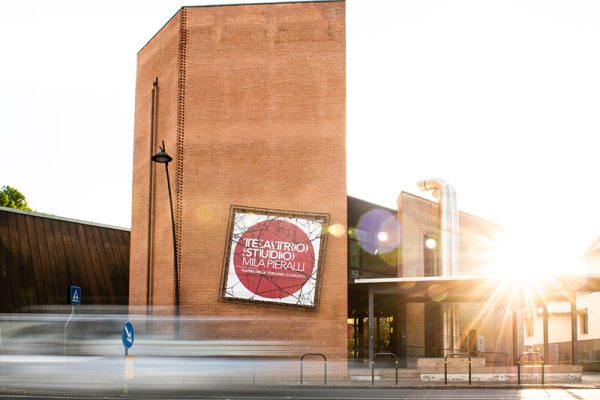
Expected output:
(477, 288)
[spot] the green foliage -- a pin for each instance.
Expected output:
(12, 198)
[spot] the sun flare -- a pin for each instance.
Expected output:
(524, 258)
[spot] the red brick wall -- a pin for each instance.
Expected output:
(252, 106)
(158, 59)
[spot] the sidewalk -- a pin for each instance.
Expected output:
(590, 380)
(110, 373)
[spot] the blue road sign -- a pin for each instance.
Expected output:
(128, 335)
(75, 297)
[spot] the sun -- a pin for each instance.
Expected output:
(525, 259)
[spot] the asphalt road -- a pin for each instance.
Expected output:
(283, 393)
(51, 377)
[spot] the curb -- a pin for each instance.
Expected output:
(442, 387)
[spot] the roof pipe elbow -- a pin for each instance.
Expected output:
(448, 222)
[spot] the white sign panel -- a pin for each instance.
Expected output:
(274, 256)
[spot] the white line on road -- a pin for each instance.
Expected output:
(44, 396)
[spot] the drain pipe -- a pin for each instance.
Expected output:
(448, 225)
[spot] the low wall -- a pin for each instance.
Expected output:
(453, 362)
(432, 369)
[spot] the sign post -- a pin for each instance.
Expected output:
(127, 337)
(74, 299)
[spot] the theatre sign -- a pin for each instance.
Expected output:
(274, 256)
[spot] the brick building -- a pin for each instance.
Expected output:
(250, 101)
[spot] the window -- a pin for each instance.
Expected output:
(364, 254)
(528, 325)
(583, 318)
(430, 256)
(359, 244)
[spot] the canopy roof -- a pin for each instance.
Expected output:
(481, 289)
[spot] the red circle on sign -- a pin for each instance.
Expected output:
(274, 259)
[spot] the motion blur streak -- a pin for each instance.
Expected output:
(37, 351)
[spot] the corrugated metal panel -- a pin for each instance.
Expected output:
(40, 256)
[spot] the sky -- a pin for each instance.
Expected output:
(498, 98)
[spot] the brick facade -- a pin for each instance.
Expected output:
(419, 217)
(250, 102)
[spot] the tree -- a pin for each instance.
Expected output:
(11, 197)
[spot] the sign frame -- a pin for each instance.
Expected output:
(274, 214)
(125, 332)
(73, 289)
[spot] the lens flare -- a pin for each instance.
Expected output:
(437, 292)
(430, 243)
(378, 231)
(337, 230)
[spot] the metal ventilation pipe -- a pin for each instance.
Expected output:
(448, 220)
(448, 223)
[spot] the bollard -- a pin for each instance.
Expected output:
(324, 366)
(446, 365)
(372, 372)
(469, 371)
(373, 366)
(530, 353)
(445, 372)
(543, 367)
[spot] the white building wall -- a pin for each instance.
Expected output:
(559, 321)
(559, 329)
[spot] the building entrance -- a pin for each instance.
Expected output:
(358, 339)
(388, 328)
